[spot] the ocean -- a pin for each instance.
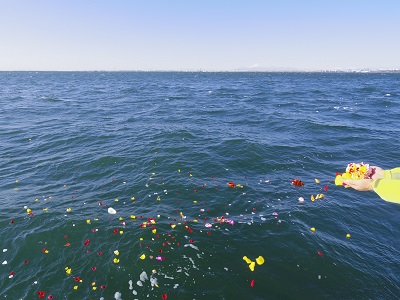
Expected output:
(156, 185)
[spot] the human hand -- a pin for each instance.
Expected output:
(374, 172)
(360, 185)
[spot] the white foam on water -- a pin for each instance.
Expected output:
(192, 246)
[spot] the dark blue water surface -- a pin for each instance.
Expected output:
(159, 148)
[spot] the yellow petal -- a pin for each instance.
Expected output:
(346, 176)
(312, 229)
(252, 265)
(260, 260)
(143, 256)
(246, 259)
(338, 180)
(312, 198)
(317, 180)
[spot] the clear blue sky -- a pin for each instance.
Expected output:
(204, 34)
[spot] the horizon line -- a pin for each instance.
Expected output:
(243, 70)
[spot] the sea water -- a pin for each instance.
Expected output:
(159, 148)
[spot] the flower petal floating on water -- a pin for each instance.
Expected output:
(246, 259)
(231, 184)
(252, 265)
(41, 294)
(143, 256)
(297, 182)
(86, 243)
(252, 283)
(260, 260)
(111, 211)
(164, 296)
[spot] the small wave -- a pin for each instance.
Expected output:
(50, 99)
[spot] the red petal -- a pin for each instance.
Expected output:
(164, 296)
(252, 283)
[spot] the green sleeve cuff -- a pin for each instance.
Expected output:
(395, 173)
(387, 189)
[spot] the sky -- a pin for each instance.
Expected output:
(190, 35)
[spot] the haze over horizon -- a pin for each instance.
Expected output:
(179, 35)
